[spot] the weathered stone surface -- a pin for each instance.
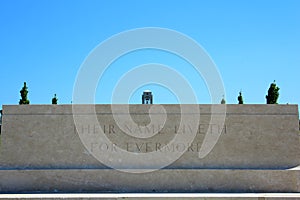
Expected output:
(155, 196)
(168, 180)
(42, 149)
(253, 137)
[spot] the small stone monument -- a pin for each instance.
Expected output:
(147, 97)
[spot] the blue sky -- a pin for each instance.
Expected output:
(251, 42)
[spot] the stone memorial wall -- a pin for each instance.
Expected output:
(104, 148)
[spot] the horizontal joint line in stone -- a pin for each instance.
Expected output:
(266, 114)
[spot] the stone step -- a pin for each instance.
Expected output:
(158, 196)
(161, 181)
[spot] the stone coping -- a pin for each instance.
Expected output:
(205, 109)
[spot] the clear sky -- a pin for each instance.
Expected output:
(252, 42)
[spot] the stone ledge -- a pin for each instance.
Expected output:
(162, 181)
(157, 196)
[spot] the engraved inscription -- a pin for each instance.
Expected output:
(184, 129)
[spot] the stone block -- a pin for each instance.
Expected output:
(253, 136)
